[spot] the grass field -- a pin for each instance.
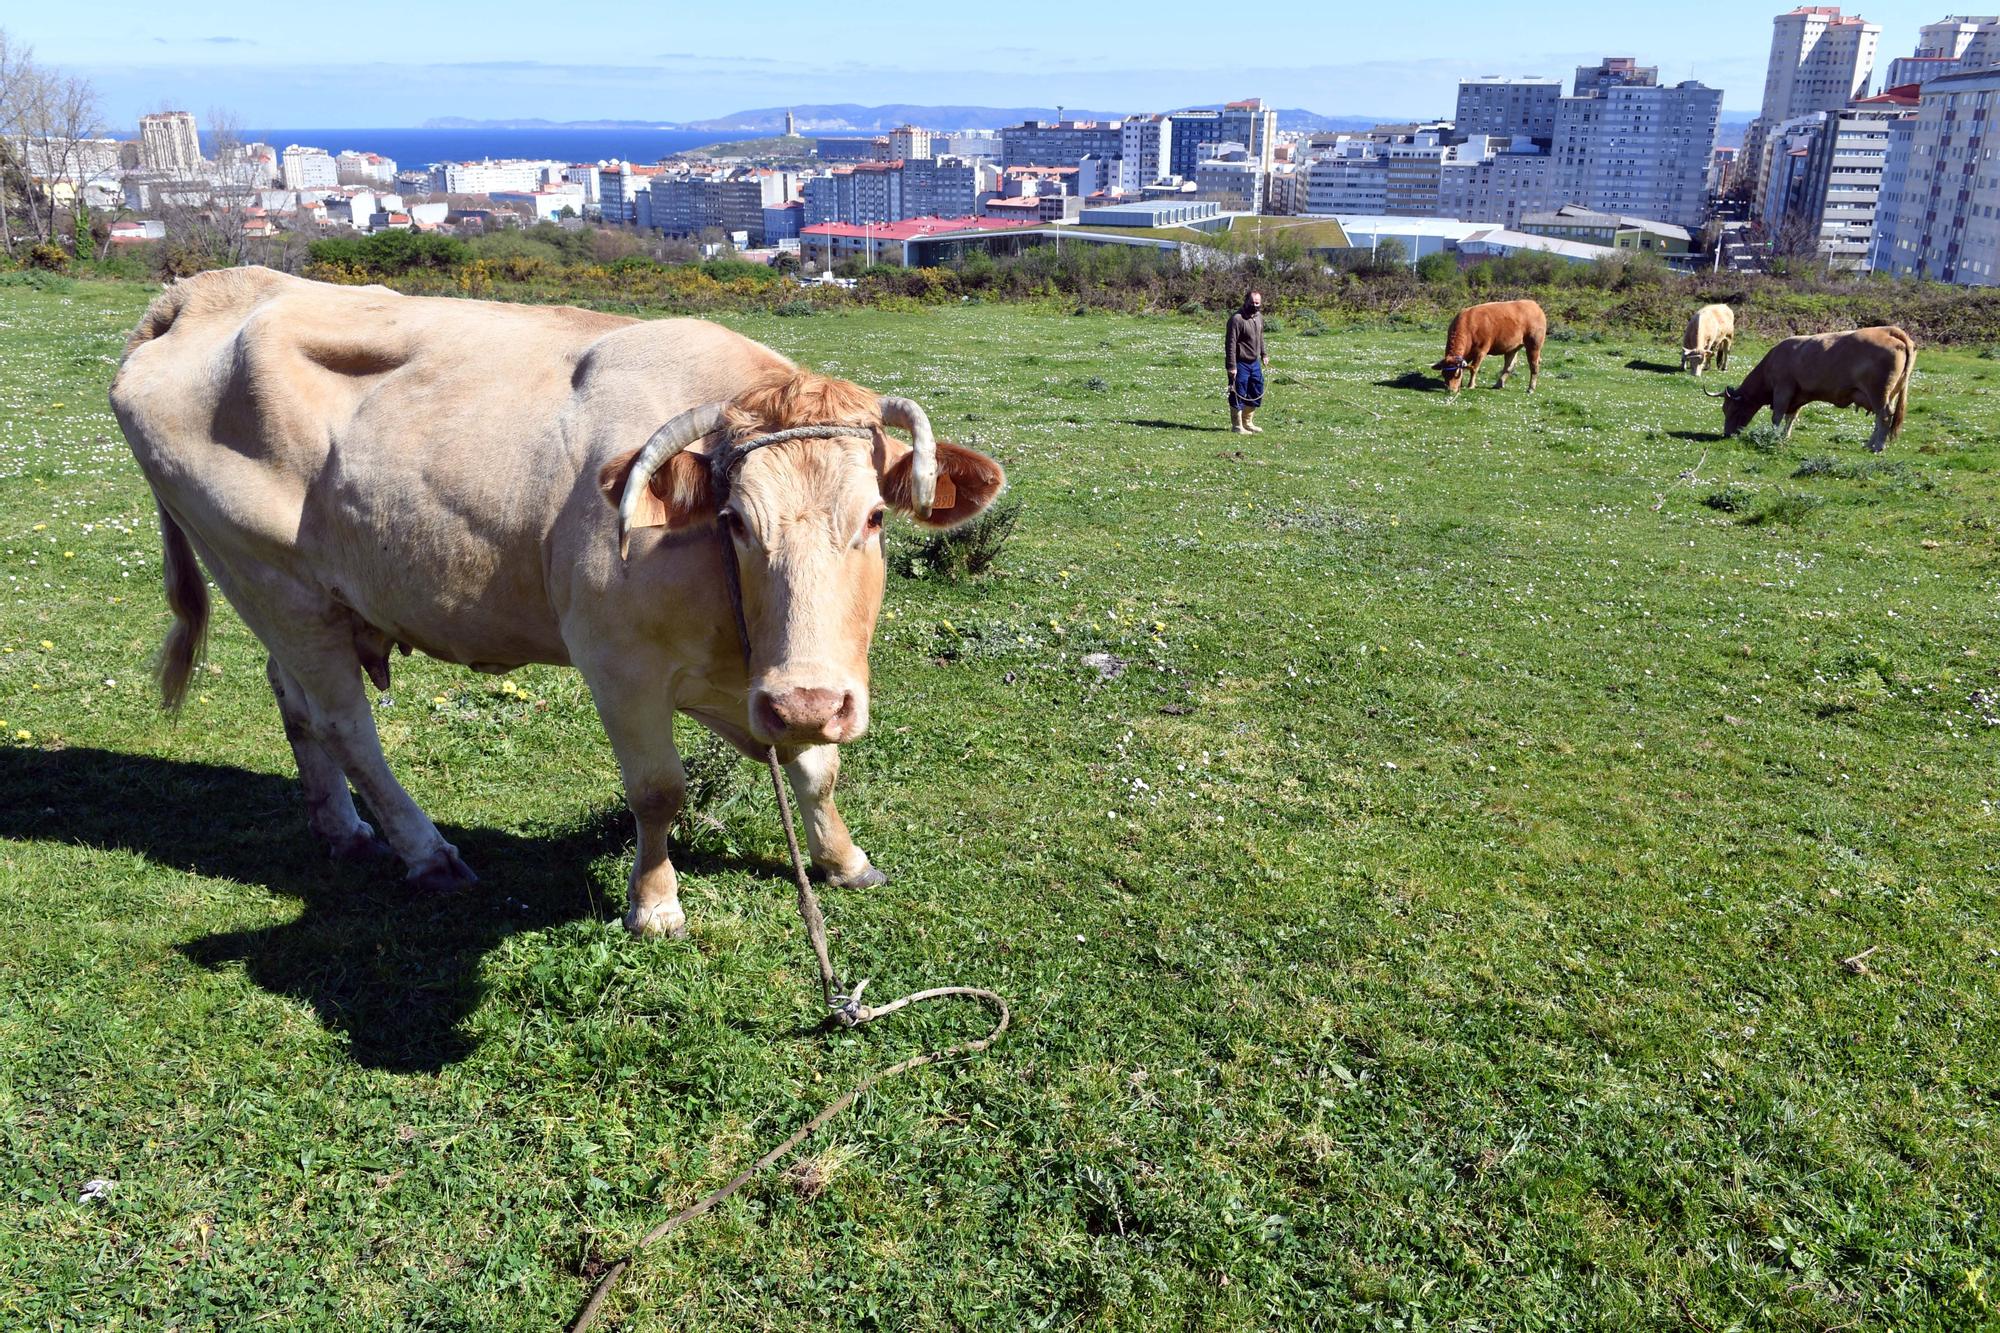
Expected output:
(1439, 923)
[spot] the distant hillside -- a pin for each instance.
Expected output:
(848, 118)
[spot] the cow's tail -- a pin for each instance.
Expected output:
(187, 598)
(1902, 386)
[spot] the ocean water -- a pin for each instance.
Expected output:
(420, 148)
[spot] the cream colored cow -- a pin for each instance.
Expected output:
(359, 470)
(1711, 331)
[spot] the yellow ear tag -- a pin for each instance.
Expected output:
(947, 493)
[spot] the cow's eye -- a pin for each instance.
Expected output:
(875, 520)
(732, 523)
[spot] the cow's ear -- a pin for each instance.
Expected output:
(679, 495)
(967, 482)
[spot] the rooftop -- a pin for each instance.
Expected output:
(908, 229)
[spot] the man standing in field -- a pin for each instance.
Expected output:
(1243, 354)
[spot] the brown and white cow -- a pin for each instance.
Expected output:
(1711, 331)
(1497, 327)
(358, 469)
(1865, 368)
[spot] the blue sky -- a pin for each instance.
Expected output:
(373, 63)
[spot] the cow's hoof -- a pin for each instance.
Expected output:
(657, 922)
(442, 872)
(359, 844)
(867, 877)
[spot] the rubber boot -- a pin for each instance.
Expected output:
(1250, 426)
(1236, 415)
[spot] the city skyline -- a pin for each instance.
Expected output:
(436, 62)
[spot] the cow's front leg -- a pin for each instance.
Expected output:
(653, 894)
(638, 719)
(329, 805)
(1507, 368)
(1473, 383)
(814, 772)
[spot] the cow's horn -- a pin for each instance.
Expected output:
(1714, 393)
(667, 441)
(923, 462)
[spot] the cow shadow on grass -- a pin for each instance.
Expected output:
(1656, 367)
(395, 971)
(1415, 381)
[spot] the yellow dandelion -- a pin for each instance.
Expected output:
(47, 645)
(24, 735)
(40, 527)
(949, 626)
(204, 698)
(69, 555)
(1159, 627)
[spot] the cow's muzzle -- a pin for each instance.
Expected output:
(808, 716)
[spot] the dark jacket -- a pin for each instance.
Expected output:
(1244, 340)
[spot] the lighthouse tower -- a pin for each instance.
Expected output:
(791, 124)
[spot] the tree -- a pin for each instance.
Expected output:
(55, 113)
(208, 225)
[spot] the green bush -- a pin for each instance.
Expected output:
(964, 551)
(1438, 269)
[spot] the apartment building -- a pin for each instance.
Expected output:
(689, 205)
(170, 146)
(1145, 151)
(1954, 44)
(1821, 59)
(1844, 171)
(910, 144)
(1508, 108)
(484, 177)
(1496, 180)
(303, 168)
(1060, 143)
(1195, 132)
(1939, 215)
(368, 168)
(892, 191)
(1624, 144)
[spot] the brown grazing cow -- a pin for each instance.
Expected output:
(1866, 368)
(1505, 327)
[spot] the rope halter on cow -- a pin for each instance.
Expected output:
(700, 422)
(844, 1004)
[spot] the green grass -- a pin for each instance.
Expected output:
(1439, 923)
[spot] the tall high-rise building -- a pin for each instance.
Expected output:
(1821, 59)
(1197, 132)
(169, 144)
(1624, 144)
(1940, 207)
(1508, 108)
(909, 144)
(1953, 44)
(1145, 151)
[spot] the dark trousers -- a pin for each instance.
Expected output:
(1246, 387)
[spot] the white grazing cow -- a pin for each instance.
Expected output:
(360, 470)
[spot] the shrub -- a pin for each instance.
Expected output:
(1728, 500)
(1763, 437)
(964, 551)
(794, 308)
(48, 258)
(1789, 508)
(1437, 269)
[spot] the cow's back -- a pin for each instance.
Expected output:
(411, 457)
